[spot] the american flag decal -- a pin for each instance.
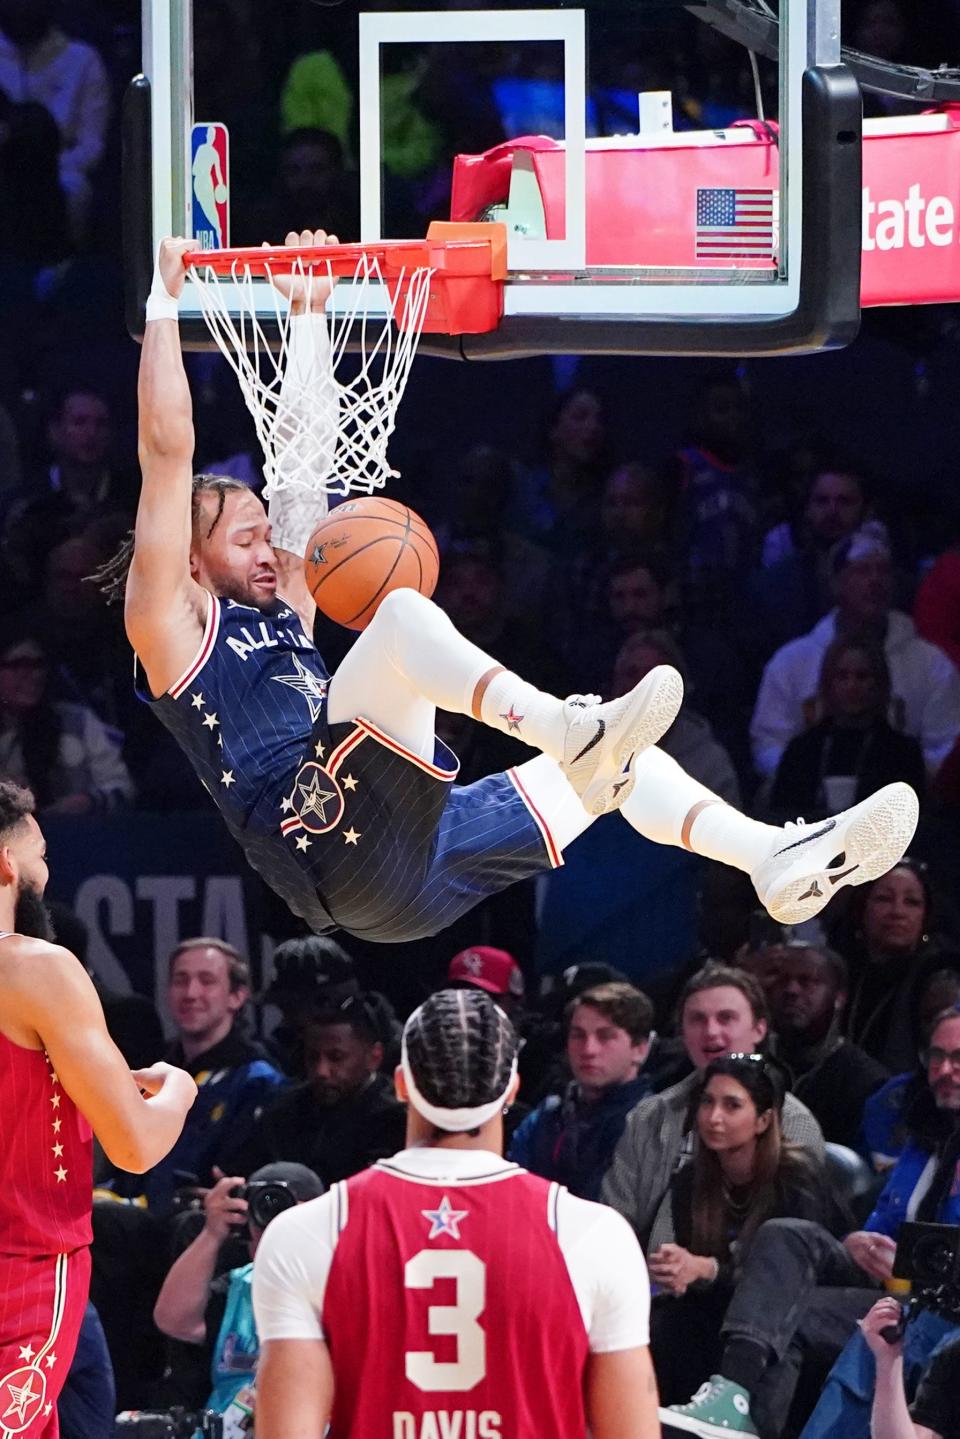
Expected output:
(735, 224)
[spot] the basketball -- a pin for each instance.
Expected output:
(363, 550)
(220, 194)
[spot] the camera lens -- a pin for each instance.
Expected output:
(266, 1201)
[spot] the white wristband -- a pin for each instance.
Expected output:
(161, 305)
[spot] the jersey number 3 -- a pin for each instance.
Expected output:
(459, 1319)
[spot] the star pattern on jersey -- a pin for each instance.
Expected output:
(211, 720)
(306, 683)
(351, 835)
(315, 799)
(21, 1397)
(55, 1100)
(514, 721)
(56, 1125)
(319, 750)
(303, 843)
(57, 1151)
(445, 1219)
(286, 804)
(50, 1360)
(61, 1174)
(197, 701)
(349, 782)
(227, 778)
(26, 1352)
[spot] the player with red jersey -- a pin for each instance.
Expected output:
(445, 1293)
(62, 1079)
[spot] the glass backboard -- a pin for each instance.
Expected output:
(664, 190)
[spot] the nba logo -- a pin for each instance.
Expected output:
(210, 188)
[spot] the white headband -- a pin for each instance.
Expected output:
(457, 1121)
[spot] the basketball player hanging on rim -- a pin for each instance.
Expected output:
(62, 1080)
(336, 787)
(540, 1301)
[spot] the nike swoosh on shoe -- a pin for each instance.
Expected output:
(809, 838)
(591, 744)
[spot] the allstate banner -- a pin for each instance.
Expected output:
(707, 199)
(142, 882)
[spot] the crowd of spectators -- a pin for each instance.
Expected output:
(766, 1121)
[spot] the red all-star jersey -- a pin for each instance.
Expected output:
(449, 1309)
(46, 1159)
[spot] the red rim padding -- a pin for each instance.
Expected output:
(468, 264)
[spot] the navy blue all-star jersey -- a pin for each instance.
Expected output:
(350, 828)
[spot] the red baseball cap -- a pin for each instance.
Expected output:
(494, 970)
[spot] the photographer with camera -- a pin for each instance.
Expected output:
(198, 1306)
(935, 1411)
(924, 1186)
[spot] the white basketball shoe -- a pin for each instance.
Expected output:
(602, 739)
(804, 872)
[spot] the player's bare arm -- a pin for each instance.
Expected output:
(164, 606)
(49, 1002)
(621, 1395)
(294, 1389)
(306, 300)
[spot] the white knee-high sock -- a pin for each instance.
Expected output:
(664, 796)
(423, 645)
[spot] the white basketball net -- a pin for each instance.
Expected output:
(316, 431)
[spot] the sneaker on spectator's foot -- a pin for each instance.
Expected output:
(602, 739)
(718, 1408)
(814, 861)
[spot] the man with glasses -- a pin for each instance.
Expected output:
(802, 1292)
(925, 1186)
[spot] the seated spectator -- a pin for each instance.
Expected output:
(717, 512)
(893, 948)
(208, 986)
(82, 483)
(30, 189)
(494, 970)
(834, 505)
(346, 1115)
(832, 1076)
(571, 1137)
(936, 609)
(742, 1174)
(310, 179)
(199, 1306)
(851, 749)
(925, 686)
(311, 976)
(933, 1413)
(556, 499)
(689, 740)
(793, 589)
(38, 62)
(923, 1186)
(721, 1011)
(62, 751)
(884, 1129)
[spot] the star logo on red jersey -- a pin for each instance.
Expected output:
(21, 1402)
(445, 1219)
(514, 721)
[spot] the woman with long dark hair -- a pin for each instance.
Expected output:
(891, 942)
(741, 1175)
(851, 748)
(63, 752)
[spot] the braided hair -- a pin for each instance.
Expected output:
(461, 1049)
(111, 577)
